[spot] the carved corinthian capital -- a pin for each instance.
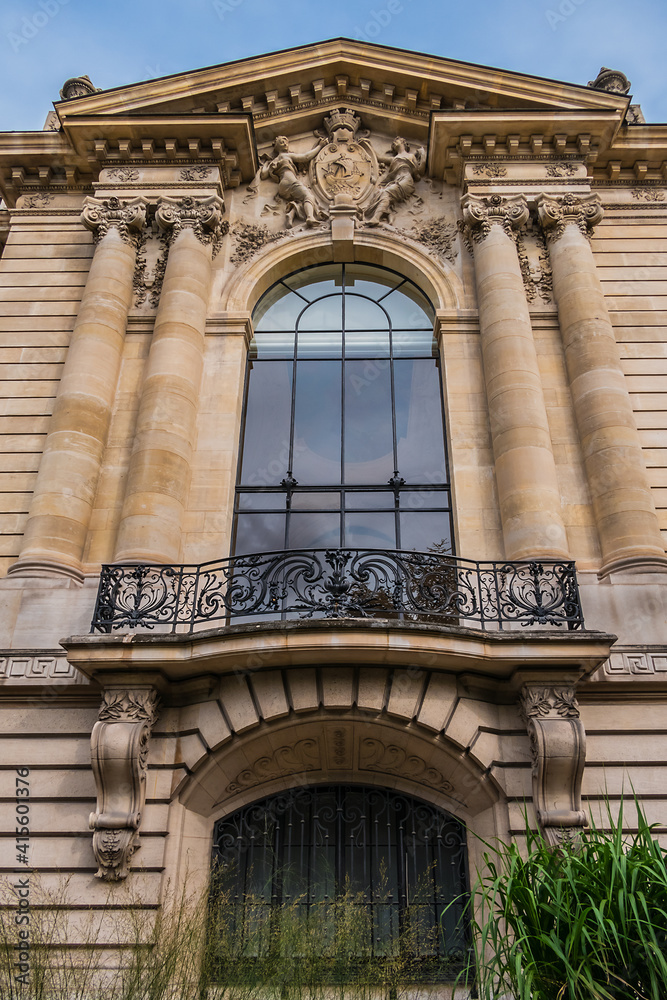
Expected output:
(555, 213)
(119, 749)
(480, 214)
(128, 217)
(558, 746)
(202, 215)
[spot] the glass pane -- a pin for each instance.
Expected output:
(277, 309)
(408, 308)
(267, 426)
(424, 499)
(316, 281)
(419, 430)
(320, 344)
(369, 501)
(315, 501)
(259, 533)
(368, 425)
(272, 345)
(371, 530)
(317, 423)
(411, 343)
(367, 344)
(366, 279)
(261, 501)
(426, 532)
(314, 530)
(324, 314)
(362, 314)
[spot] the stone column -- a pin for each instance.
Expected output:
(621, 495)
(62, 504)
(159, 472)
(528, 490)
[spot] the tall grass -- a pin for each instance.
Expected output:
(220, 948)
(585, 922)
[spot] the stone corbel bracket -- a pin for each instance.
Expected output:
(119, 750)
(558, 745)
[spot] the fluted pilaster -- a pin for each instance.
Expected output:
(160, 465)
(62, 504)
(623, 506)
(528, 490)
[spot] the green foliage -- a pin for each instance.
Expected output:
(587, 921)
(301, 950)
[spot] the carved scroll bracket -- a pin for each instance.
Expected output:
(558, 746)
(480, 214)
(582, 211)
(119, 750)
(128, 217)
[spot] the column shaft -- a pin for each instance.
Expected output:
(528, 491)
(622, 502)
(62, 504)
(160, 464)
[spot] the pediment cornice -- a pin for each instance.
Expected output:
(275, 85)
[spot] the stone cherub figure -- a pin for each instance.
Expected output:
(398, 183)
(283, 169)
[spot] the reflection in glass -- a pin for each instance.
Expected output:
(419, 430)
(308, 530)
(324, 314)
(267, 424)
(369, 450)
(426, 531)
(370, 530)
(319, 343)
(362, 314)
(260, 532)
(315, 501)
(358, 400)
(317, 422)
(278, 310)
(367, 344)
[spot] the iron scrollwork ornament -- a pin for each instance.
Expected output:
(429, 587)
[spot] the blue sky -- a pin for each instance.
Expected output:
(45, 41)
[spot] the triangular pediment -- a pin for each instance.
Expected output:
(290, 89)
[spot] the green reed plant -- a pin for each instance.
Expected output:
(585, 921)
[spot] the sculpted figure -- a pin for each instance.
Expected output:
(398, 183)
(283, 169)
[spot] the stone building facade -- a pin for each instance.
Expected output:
(153, 235)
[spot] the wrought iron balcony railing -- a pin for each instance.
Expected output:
(424, 587)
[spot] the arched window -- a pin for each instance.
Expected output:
(343, 442)
(398, 863)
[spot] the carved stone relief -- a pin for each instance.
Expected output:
(119, 751)
(480, 214)
(304, 755)
(202, 216)
(647, 194)
(150, 267)
(404, 166)
(489, 170)
(374, 755)
(561, 169)
(347, 164)
(558, 747)
(535, 267)
(437, 235)
(583, 211)
(128, 217)
(249, 239)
